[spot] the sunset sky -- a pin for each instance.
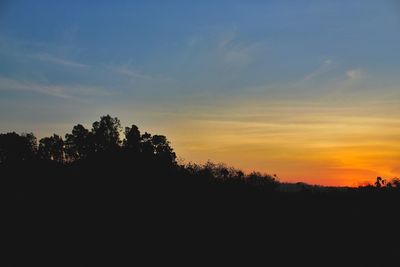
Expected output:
(307, 90)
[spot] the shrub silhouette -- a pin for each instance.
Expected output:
(379, 182)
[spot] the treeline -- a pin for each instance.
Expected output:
(81, 143)
(136, 149)
(141, 154)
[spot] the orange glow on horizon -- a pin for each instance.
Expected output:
(326, 149)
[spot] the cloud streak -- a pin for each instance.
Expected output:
(60, 91)
(354, 74)
(132, 73)
(226, 47)
(45, 57)
(323, 68)
(233, 51)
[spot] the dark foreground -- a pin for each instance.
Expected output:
(94, 213)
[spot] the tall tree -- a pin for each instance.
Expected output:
(31, 142)
(132, 138)
(15, 147)
(162, 148)
(78, 144)
(106, 133)
(146, 144)
(52, 148)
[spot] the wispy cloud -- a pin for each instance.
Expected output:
(56, 90)
(226, 47)
(45, 57)
(321, 69)
(136, 74)
(354, 74)
(234, 51)
(227, 37)
(241, 54)
(133, 73)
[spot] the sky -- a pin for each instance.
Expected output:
(306, 90)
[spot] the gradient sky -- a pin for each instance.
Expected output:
(307, 90)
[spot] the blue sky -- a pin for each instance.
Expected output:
(173, 66)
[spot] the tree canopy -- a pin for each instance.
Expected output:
(81, 144)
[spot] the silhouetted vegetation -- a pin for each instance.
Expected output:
(66, 200)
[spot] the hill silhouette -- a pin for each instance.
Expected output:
(95, 198)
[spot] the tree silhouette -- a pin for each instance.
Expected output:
(78, 144)
(379, 182)
(396, 182)
(162, 149)
(32, 142)
(132, 138)
(146, 145)
(258, 179)
(106, 133)
(14, 147)
(51, 148)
